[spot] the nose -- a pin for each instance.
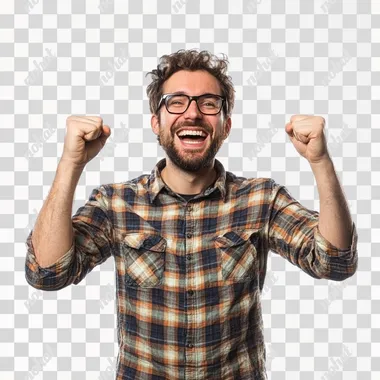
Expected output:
(192, 112)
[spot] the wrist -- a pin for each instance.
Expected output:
(69, 165)
(325, 161)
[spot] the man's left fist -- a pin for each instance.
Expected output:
(306, 132)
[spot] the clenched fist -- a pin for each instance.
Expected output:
(306, 132)
(84, 139)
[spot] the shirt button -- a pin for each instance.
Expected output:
(188, 257)
(190, 292)
(189, 345)
(189, 236)
(189, 208)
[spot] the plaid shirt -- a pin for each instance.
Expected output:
(189, 274)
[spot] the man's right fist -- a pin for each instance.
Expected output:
(84, 139)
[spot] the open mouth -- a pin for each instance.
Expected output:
(193, 141)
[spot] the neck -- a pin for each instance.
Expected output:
(183, 182)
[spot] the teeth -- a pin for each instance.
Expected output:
(193, 142)
(193, 133)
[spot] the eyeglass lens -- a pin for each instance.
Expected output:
(208, 104)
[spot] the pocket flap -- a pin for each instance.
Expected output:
(234, 237)
(150, 242)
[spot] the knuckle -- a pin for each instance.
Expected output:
(98, 119)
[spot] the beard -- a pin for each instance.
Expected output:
(190, 161)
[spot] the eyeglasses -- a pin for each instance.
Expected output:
(208, 104)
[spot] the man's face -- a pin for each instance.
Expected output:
(191, 158)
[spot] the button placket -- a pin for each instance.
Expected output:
(189, 257)
(189, 234)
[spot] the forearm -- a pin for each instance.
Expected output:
(335, 223)
(53, 234)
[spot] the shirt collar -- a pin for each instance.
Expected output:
(156, 184)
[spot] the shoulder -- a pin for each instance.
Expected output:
(133, 186)
(249, 184)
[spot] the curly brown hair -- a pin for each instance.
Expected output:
(191, 60)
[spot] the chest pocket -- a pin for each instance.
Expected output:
(144, 256)
(238, 256)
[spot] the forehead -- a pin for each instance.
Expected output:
(192, 83)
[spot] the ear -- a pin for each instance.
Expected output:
(154, 124)
(227, 127)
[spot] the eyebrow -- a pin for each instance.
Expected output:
(178, 93)
(184, 93)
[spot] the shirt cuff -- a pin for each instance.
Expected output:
(61, 265)
(332, 250)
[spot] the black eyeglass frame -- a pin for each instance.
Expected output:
(165, 97)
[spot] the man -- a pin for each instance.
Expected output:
(190, 240)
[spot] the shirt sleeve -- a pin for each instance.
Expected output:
(91, 246)
(293, 233)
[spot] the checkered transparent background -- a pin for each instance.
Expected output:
(72, 333)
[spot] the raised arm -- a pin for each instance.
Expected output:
(50, 261)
